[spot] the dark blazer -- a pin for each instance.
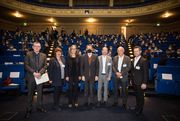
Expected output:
(54, 71)
(140, 73)
(69, 66)
(89, 70)
(30, 66)
(125, 68)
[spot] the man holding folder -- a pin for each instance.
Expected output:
(35, 65)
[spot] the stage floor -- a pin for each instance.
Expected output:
(166, 108)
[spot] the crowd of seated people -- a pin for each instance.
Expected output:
(19, 43)
(157, 44)
(22, 41)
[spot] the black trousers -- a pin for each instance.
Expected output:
(56, 95)
(89, 90)
(73, 90)
(31, 89)
(120, 87)
(139, 98)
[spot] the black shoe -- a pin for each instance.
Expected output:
(41, 110)
(125, 106)
(27, 115)
(91, 105)
(56, 108)
(138, 113)
(104, 103)
(86, 104)
(115, 104)
(98, 104)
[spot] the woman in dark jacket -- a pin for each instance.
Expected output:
(56, 73)
(73, 75)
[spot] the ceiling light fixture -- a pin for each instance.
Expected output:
(51, 19)
(91, 20)
(17, 14)
(166, 15)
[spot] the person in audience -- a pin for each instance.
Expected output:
(121, 68)
(171, 53)
(73, 75)
(56, 72)
(139, 77)
(178, 53)
(89, 72)
(35, 65)
(105, 72)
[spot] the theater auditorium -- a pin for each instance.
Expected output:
(89, 60)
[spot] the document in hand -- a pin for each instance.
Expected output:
(44, 78)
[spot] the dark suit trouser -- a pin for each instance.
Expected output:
(73, 90)
(31, 89)
(122, 87)
(139, 98)
(89, 90)
(56, 95)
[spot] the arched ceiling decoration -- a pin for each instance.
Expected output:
(125, 12)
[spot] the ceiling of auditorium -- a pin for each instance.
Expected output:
(31, 18)
(6, 14)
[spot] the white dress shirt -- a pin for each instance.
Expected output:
(103, 64)
(120, 61)
(136, 59)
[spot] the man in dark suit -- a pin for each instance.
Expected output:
(89, 72)
(139, 76)
(35, 65)
(121, 68)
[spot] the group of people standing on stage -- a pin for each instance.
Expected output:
(89, 68)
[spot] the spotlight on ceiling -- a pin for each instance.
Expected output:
(17, 14)
(129, 20)
(51, 19)
(158, 24)
(91, 20)
(166, 15)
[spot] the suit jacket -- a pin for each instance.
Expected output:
(30, 65)
(69, 66)
(54, 71)
(89, 70)
(108, 66)
(139, 73)
(125, 68)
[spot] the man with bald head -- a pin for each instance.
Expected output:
(121, 67)
(105, 72)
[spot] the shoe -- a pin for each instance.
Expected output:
(86, 104)
(125, 106)
(56, 108)
(115, 104)
(98, 104)
(27, 115)
(91, 105)
(138, 113)
(42, 110)
(105, 103)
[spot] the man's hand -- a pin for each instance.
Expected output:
(143, 86)
(67, 78)
(118, 74)
(37, 75)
